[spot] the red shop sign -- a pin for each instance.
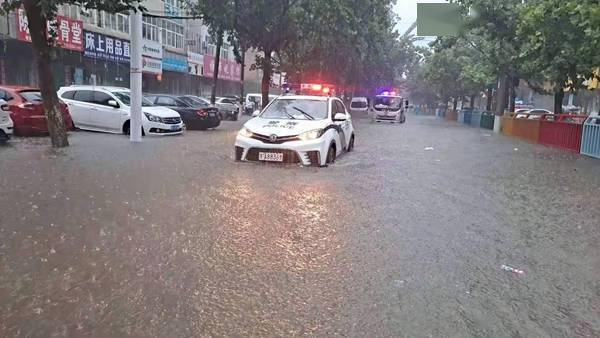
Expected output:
(228, 69)
(68, 32)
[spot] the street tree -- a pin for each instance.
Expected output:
(492, 30)
(561, 44)
(268, 26)
(219, 16)
(39, 12)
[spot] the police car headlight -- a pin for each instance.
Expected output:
(311, 135)
(245, 132)
(152, 118)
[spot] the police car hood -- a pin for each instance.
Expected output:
(280, 127)
(160, 111)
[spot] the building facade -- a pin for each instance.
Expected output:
(93, 48)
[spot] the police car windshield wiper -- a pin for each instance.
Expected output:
(289, 115)
(304, 113)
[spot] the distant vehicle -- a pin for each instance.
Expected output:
(310, 130)
(388, 107)
(254, 102)
(107, 109)
(531, 114)
(6, 124)
(27, 111)
(234, 98)
(228, 108)
(359, 104)
(200, 118)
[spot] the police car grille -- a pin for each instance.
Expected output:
(171, 120)
(313, 157)
(289, 156)
(280, 139)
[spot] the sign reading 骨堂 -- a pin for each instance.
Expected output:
(68, 32)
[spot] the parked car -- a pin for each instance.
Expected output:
(228, 108)
(6, 123)
(359, 104)
(531, 114)
(107, 109)
(200, 118)
(27, 111)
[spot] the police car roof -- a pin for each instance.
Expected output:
(303, 97)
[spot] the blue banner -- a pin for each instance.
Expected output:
(174, 65)
(100, 46)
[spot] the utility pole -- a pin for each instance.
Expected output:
(135, 121)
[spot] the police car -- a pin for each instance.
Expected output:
(388, 107)
(307, 129)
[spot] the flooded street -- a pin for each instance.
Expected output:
(405, 237)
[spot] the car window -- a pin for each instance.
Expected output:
(358, 104)
(181, 103)
(3, 95)
(84, 96)
(68, 95)
(194, 102)
(101, 98)
(166, 101)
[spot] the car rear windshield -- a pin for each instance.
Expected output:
(296, 109)
(31, 95)
(358, 104)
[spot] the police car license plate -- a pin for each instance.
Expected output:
(272, 157)
(176, 127)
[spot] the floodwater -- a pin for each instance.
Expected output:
(406, 236)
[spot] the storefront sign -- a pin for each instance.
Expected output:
(195, 63)
(68, 32)
(228, 70)
(152, 66)
(175, 64)
(152, 49)
(100, 46)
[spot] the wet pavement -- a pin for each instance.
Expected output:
(404, 237)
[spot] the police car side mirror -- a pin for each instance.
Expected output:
(256, 113)
(113, 103)
(340, 117)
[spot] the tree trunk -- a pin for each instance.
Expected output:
(242, 75)
(213, 92)
(472, 102)
(501, 96)
(511, 94)
(267, 69)
(558, 99)
(454, 104)
(490, 97)
(42, 49)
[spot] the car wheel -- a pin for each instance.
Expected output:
(351, 144)
(126, 129)
(330, 154)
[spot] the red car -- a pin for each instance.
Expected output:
(27, 111)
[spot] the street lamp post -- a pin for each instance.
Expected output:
(135, 122)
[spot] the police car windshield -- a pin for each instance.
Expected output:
(388, 101)
(296, 109)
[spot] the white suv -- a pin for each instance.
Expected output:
(102, 108)
(6, 124)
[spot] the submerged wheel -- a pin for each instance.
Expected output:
(331, 154)
(351, 144)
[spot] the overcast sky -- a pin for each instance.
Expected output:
(407, 11)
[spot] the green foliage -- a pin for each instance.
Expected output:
(561, 41)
